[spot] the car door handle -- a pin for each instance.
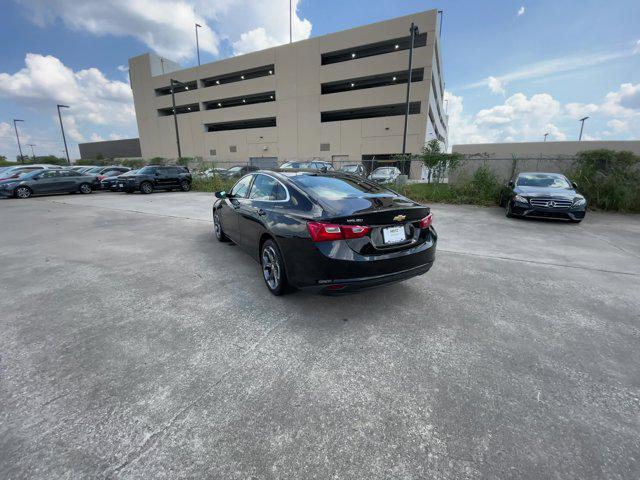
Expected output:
(261, 212)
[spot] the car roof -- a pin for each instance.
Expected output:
(542, 173)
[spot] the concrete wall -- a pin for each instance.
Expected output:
(506, 159)
(544, 149)
(125, 148)
(297, 80)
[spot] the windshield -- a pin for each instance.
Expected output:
(235, 169)
(294, 165)
(542, 180)
(383, 171)
(130, 172)
(349, 168)
(147, 170)
(94, 170)
(333, 188)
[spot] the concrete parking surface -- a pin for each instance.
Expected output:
(133, 345)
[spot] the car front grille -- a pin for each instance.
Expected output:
(550, 202)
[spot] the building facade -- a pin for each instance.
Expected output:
(339, 97)
(123, 148)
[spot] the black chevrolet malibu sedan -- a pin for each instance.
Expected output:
(326, 231)
(546, 195)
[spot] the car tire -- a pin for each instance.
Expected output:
(501, 200)
(185, 185)
(217, 229)
(272, 266)
(85, 188)
(507, 211)
(23, 192)
(146, 187)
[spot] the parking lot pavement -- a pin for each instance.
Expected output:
(135, 346)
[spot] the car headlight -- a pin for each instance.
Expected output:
(521, 199)
(579, 201)
(9, 185)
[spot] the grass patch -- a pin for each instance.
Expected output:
(213, 184)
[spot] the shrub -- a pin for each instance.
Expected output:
(213, 184)
(610, 180)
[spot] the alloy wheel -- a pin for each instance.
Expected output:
(146, 187)
(23, 192)
(271, 267)
(84, 188)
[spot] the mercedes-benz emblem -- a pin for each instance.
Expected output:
(551, 204)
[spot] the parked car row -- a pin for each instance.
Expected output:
(379, 175)
(25, 181)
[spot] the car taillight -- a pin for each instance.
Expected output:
(326, 232)
(426, 221)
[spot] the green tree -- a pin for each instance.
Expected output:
(438, 162)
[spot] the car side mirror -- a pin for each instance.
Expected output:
(221, 194)
(574, 184)
(511, 184)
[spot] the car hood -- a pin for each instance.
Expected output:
(545, 192)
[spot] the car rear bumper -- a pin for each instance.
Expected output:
(332, 267)
(340, 287)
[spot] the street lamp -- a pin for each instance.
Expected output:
(175, 117)
(32, 152)
(197, 43)
(545, 136)
(18, 137)
(413, 31)
(581, 127)
(64, 139)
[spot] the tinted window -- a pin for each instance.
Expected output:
(147, 170)
(335, 188)
(542, 180)
(240, 188)
(267, 188)
(49, 174)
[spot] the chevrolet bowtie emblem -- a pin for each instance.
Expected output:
(399, 218)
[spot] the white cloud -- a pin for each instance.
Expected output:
(518, 119)
(521, 118)
(553, 66)
(636, 48)
(624, 102)
(521, 11)
(96, 137)
(495, 85)
(94, 99)
(167, 26)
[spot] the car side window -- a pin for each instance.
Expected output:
(49, 174)
(263, 188)
(240, 189)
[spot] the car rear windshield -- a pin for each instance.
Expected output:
(334, 188)
(542, 180)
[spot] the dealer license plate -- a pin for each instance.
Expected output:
(393, 234)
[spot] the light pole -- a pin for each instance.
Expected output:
(18, 137)
(175, 117)
(545, 136)
(413, 31)
(64, 139)
(197, 43)
(32, 152)
(441, 12)
(581, 127)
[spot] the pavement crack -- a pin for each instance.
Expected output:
(536, 262)
(181, 416)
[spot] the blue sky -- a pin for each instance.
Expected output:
(513, 70)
